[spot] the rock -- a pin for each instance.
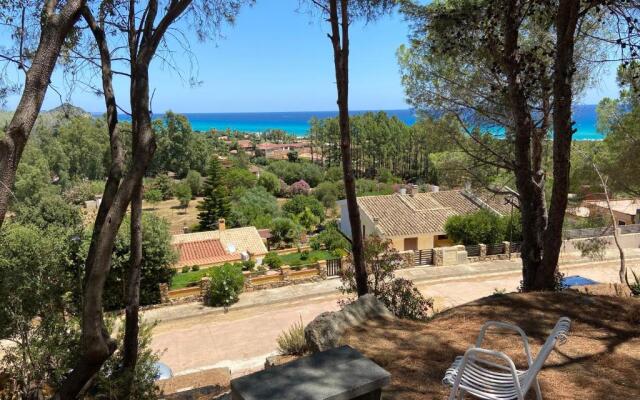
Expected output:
(325, 331)
(274, 361)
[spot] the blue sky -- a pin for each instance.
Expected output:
(277, 58)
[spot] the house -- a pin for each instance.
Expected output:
(280, 150)
(416, 221)
(626, 211)
(206, 249)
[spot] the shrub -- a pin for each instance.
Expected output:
(595, 248)
(404, 300)
(292, 172)
(248, 265)
(327, 193)
(300, 203)
(272, 260)
(185, 269)
(194, 180)
(285, 230)
(195, 268)
(227, 283)
(480, 227)
(400, 296)
(269, 182)
(304, 255)
(153, 196)
(331, 239)
(299, 187)
(292, 341)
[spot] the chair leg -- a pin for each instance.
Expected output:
(536, 387)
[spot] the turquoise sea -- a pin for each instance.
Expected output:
(297, 123)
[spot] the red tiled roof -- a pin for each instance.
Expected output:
(202, 253)
(265, 233)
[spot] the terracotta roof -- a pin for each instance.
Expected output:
(401, 215)
(265, 233)
(211, 247)
(272, 146)
(203, 253)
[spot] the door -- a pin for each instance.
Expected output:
(410, 244)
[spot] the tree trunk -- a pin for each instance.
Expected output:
(566, 24)
(130, 347)
(55, 29)
(340, 41)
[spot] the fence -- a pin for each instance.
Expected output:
(334, 266)
(423, 257)
(629, 229)
(588, 232)
(495, 249)
(473, 250)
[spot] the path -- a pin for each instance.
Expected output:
(193, 337)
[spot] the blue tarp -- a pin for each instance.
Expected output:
(576, 280)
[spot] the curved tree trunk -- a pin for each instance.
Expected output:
(54, 32)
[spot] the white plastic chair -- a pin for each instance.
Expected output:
(475, 373)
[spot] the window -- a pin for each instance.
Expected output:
(442, 237)
(621, 223)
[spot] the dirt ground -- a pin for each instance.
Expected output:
(600, 360)
(177, 217)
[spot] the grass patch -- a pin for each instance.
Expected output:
(293, 259)
(183, 279)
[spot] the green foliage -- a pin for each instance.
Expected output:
(404, 300)
(399, 295)
(370, 187)
(248, 265)
(182, 192)
(158, 258)
(330, 239)
(34, 266)
(227, 283)
(49, 212)
(109, 382)
(179, 149)
(285, 231)
(153, 196)
(483, 226)
(239, 178)
(333, 174)
(85, 144)
(269, 182)
(291, 172)
(32, 177)
(300, 203)
(80, 191)
(328, 193)
(292, 341)
(272, 260)
(293, 156)
(215, 204)
(185, 269)
(256, 207)
(594, 248)
(308, 219)
(194, 180)
(164, 184)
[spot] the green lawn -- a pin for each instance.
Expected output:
(314, 255)
(183, 279)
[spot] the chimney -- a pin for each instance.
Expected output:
(403, 191)
(221, 224)
(435, 188)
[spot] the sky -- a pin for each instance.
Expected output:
(278, 58)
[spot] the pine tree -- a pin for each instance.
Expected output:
(215, 204)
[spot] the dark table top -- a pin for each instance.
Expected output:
(336, 374)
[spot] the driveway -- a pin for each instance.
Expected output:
(192, 337)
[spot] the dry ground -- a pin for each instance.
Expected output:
(600, 360)
(177, 217)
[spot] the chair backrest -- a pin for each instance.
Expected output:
(559, 334)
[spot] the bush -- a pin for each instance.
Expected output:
(285, 231)
(153, 196)
(227, 283)
(327, 193)
(248, 265)
(404, 300)
(481, 227)
(194, 180)
(195, 268)
(595, 248)
(164, 184)
(185, 269)
(331, 239)
(292, 172)
(292, 341)
(299, 203)
(272, 260)
(269, 182)
(299, 187)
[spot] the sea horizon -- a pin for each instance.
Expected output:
(297, 122)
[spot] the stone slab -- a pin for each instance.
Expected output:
(338, 374)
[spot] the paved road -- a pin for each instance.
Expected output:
(193, 337)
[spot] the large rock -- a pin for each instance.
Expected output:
(325, 331)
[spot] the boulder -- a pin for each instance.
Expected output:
(325, 331)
